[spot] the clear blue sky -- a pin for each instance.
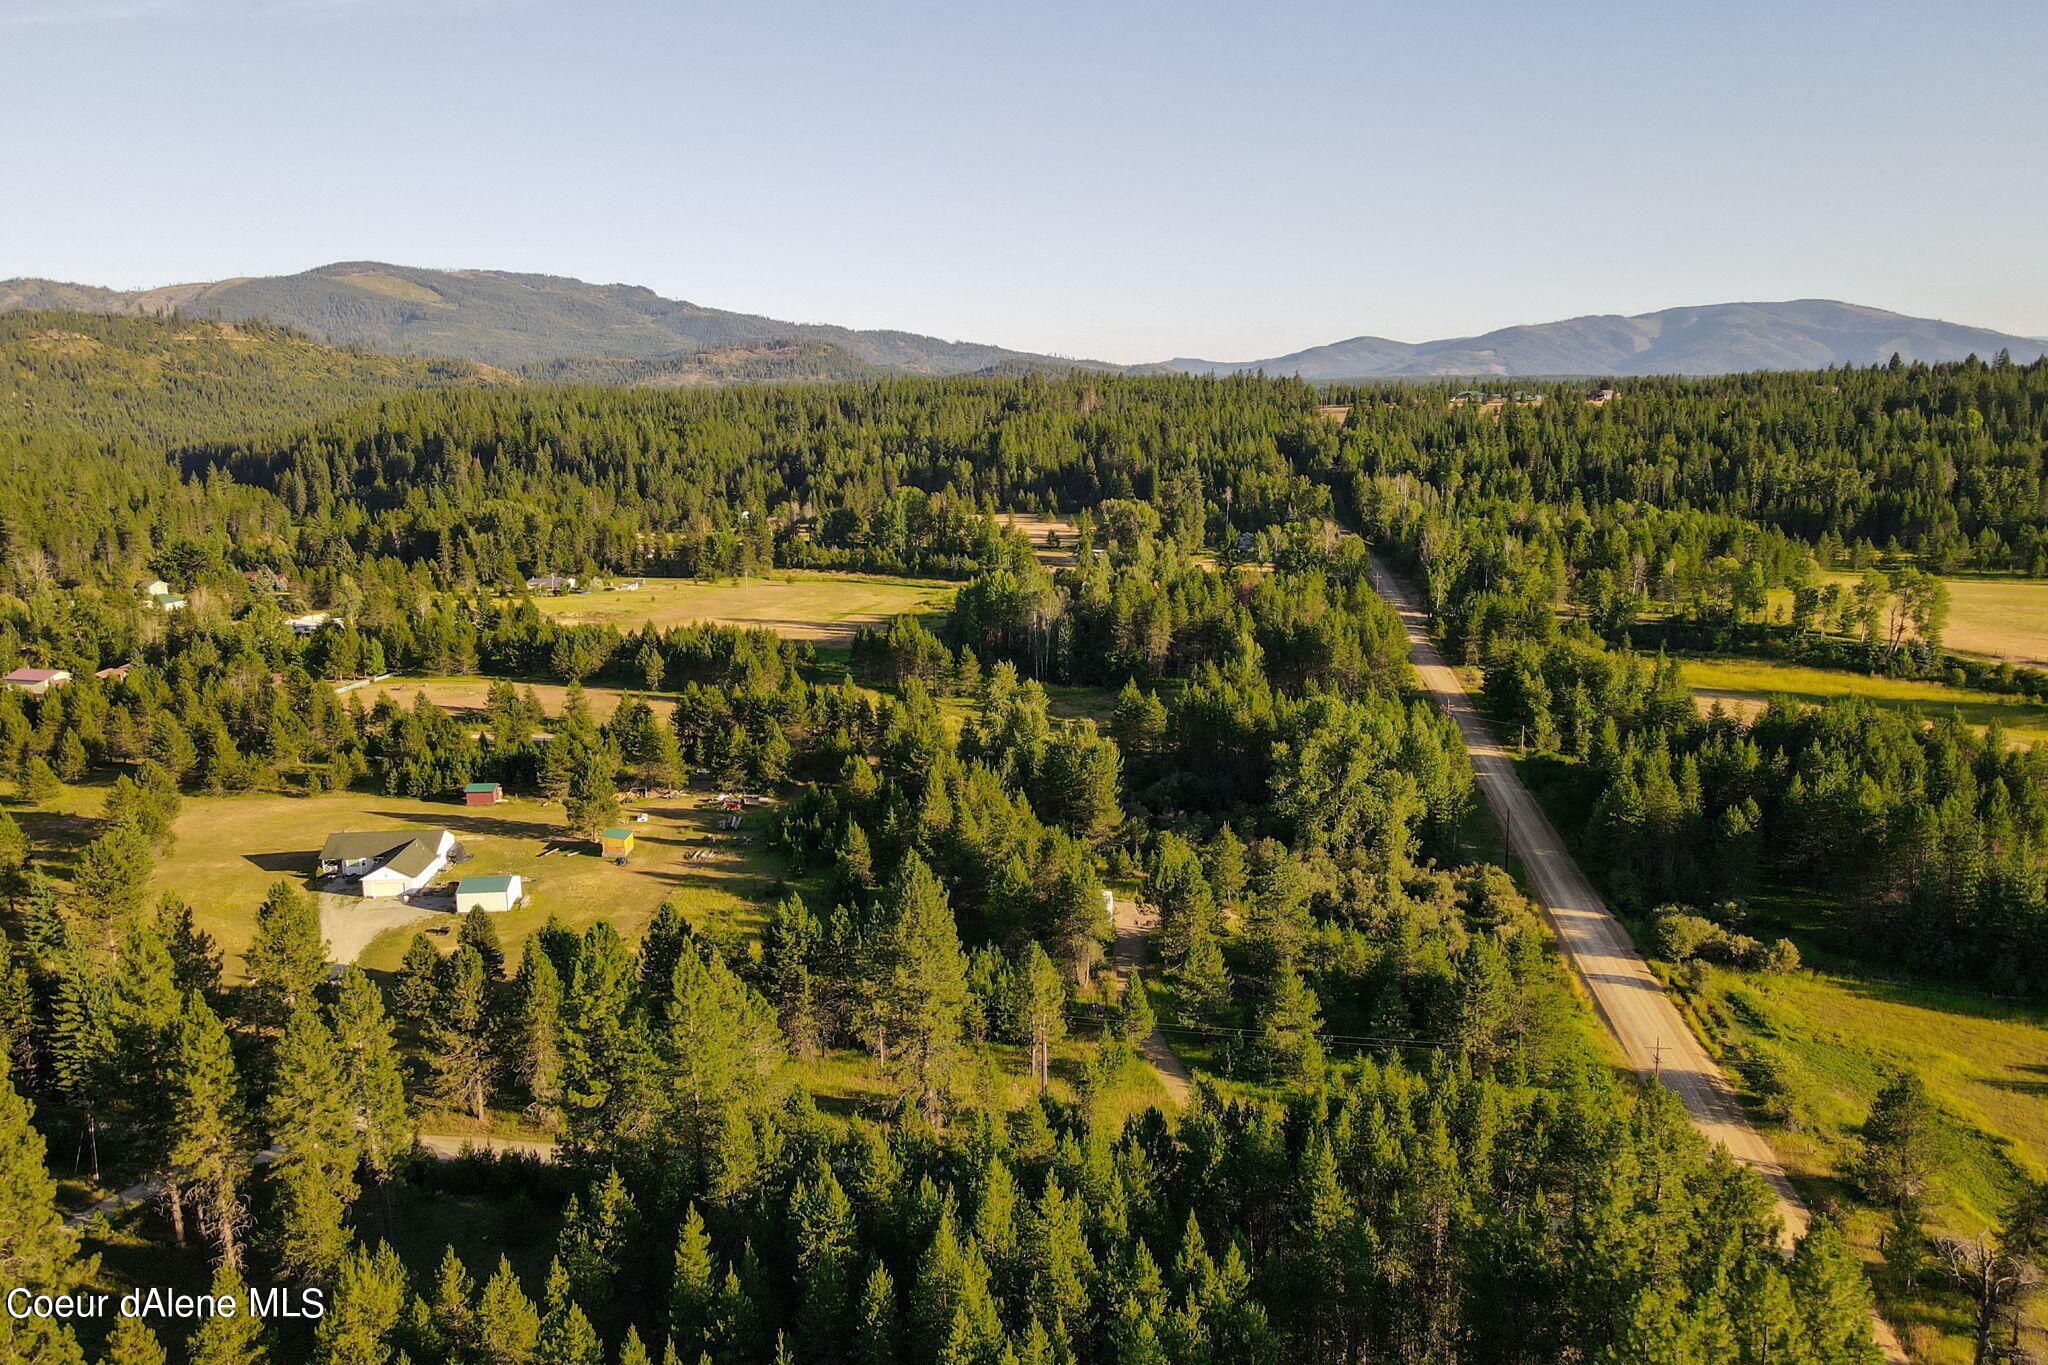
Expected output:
(1127, 180)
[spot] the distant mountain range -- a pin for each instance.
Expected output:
(554, 328)
(1720, 338)
(514, 320)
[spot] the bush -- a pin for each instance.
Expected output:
(1679, 935)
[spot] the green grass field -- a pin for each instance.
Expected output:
(1743, 685)
(230, 849)
(1836, 1039)
(817, 608)
(1995, 615)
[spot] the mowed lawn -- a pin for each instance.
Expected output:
(814, 607)
(231, 849)
(1743, 685)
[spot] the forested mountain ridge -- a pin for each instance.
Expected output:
(1724, 338)
(515, 319)
(767, 362)
(172, 380)
(502, 317)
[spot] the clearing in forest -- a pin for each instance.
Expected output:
(1742, 686)
(813, 607)
(1052, 538)
(230, 849)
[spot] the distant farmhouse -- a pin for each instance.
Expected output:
(159, 595)
(551, 582)
(488, 893)
(36, 681)
(389, 862)
(311, 622)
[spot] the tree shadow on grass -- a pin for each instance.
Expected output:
(291, 860)
(495, 826)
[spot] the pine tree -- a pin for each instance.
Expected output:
(1134, 1018)
(458, 1039)
(566, 1336)
(534, 1049)
(314, 1174)
(36, 1246)
(368, 1301)
(876, 1331)
(417, 987)
(132, 1343)
(209, 1141)
(596, 1237)
(921, 984)
(287, 958)
(142, 1014)
(719, 1043)
(480, 931)
(1833, 1297)
(507, 1324)
(693, 1291)
(1038, 1006)
(371, 1078)
(230, 1338)
(195, 957)
(824, 1237)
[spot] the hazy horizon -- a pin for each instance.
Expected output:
(1127, 183)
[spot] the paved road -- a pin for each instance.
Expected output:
(1626, 994)
(1134, 926)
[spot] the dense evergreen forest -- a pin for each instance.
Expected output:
(1409, 1148)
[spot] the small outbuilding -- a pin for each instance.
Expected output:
(487, 893)
(616, 842)
(482, 794)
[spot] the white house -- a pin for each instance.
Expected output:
(388, 863)
(551, 582)
(156, 587)
(487, 893)
(311, 621)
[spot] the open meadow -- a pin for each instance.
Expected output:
(464, 695)
(812, 607)
(1742, 686)
(230, 850)
(1994, 615)
(1836, 1038)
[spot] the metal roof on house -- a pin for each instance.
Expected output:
(415, 858)
(481, 787)
(478, 885)
(347, 848)
(36, 675)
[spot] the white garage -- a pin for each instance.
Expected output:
(487, 893)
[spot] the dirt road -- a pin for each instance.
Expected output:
(1626, 994)
(1134, 926)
